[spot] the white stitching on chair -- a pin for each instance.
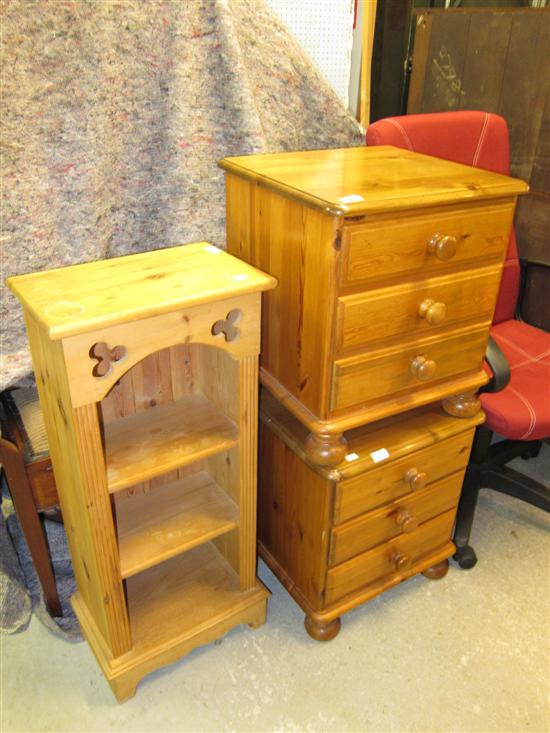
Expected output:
(512, 345)
(531, 360)
(531, 411)
(402, 131)
(481, 139)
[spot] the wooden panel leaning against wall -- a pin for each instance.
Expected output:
(495, 60)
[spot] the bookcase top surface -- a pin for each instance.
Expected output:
(72, 300)
(357, 181)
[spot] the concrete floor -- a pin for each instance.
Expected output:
(466, 653)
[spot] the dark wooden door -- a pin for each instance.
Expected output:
(496, 60)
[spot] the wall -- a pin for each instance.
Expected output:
(324, 29)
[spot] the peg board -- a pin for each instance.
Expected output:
(324, 28)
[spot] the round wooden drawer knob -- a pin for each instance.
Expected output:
(443, 246)
(416, 479)
(406, 520)
(401, 561)
(432, 311)
(422, 368)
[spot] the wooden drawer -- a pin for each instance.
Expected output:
(386, 372)
(417, 308)
(382, 561)
(392, 247)
(393, 480)
(401, 517)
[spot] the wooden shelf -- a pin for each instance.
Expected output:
(181, 597)
(154, 441)
(171, 519)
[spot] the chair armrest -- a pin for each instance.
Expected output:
(499, 366)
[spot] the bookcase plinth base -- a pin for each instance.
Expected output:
(125, 672)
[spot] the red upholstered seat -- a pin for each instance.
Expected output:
(522, 410)
(480, 139)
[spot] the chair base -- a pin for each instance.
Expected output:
(487, 470)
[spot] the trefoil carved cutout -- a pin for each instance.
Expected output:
(105, 358)
(227, 326)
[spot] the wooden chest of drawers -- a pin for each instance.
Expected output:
(389, 264)
(337, 537)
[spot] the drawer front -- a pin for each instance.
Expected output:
(401, 517)
(416, 309)
(387, 372)
(392, 247)
(382, 561)
(389, 482)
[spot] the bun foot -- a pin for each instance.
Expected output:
(462, 405)
(322, 632)
(326, 449)
(437, 571)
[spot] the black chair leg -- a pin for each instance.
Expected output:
(533, 449)
(465, 555)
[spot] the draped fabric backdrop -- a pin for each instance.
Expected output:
(114, 115)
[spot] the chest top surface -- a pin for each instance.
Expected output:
(79, 298)
(358, 181)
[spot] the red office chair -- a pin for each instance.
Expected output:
(517, 398)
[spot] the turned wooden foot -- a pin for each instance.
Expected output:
(462, 405)
(437, 571)
(326, 449)
(320, 631)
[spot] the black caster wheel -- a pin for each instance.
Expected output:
(465, 557)
(531, 453)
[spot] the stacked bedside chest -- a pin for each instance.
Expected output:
(389, 264)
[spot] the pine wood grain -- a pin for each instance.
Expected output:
(295, 244)
(170, 519)
(467, 297)
(248, 432)
(362, 570)
(141, 338)
(325, 324)
(387, 372)
(350, 419)
(95, 295)
(137, 419)
(167, 621)
(385, 178)
(80, 481)
(382, 248)
(426, 427)
(148, 443)
(293, 516)
(180, 596)
(367, 531)
(364, 492)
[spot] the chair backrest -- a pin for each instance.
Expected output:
(479, 139)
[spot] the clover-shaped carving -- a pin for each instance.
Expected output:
(227, 325)
(105, 358)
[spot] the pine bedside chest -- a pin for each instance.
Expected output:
(389, 264)
(147, 372)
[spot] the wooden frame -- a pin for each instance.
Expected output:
(155, 453)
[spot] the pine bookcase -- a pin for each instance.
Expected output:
(147, 372)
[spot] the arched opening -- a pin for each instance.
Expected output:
(171, 433)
